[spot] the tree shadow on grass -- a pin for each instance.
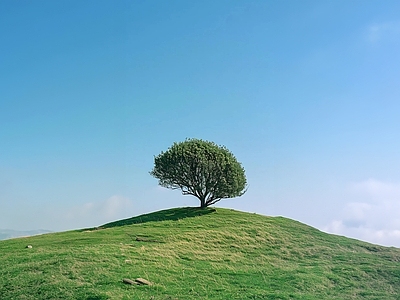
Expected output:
(172, 214)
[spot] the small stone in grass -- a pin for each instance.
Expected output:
(128, 281)
(29, 246)
(143, 281)
(140, 281)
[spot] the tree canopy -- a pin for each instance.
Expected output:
(202, 169)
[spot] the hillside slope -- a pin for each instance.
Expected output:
(189, 253)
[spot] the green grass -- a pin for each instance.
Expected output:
(190, 253)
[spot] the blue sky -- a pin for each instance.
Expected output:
(304, 93)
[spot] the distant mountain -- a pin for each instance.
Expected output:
(9, 233)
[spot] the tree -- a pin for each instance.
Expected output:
(202, 169)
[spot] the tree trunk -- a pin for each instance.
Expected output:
(203, 203)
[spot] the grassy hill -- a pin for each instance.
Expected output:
(189, 253)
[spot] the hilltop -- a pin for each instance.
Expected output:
(188, 253)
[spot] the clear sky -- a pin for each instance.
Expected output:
(304, 93)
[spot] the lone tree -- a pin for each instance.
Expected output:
(202, 169)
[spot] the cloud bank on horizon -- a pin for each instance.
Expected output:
(375, 217)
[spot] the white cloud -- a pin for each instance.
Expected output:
(96, 213)
(106, 209)
(57, 216)
(380, 31)
(376, 219)
(377, 190)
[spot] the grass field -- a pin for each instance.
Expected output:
(188, 253)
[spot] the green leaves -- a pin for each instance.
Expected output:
(202, 169)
